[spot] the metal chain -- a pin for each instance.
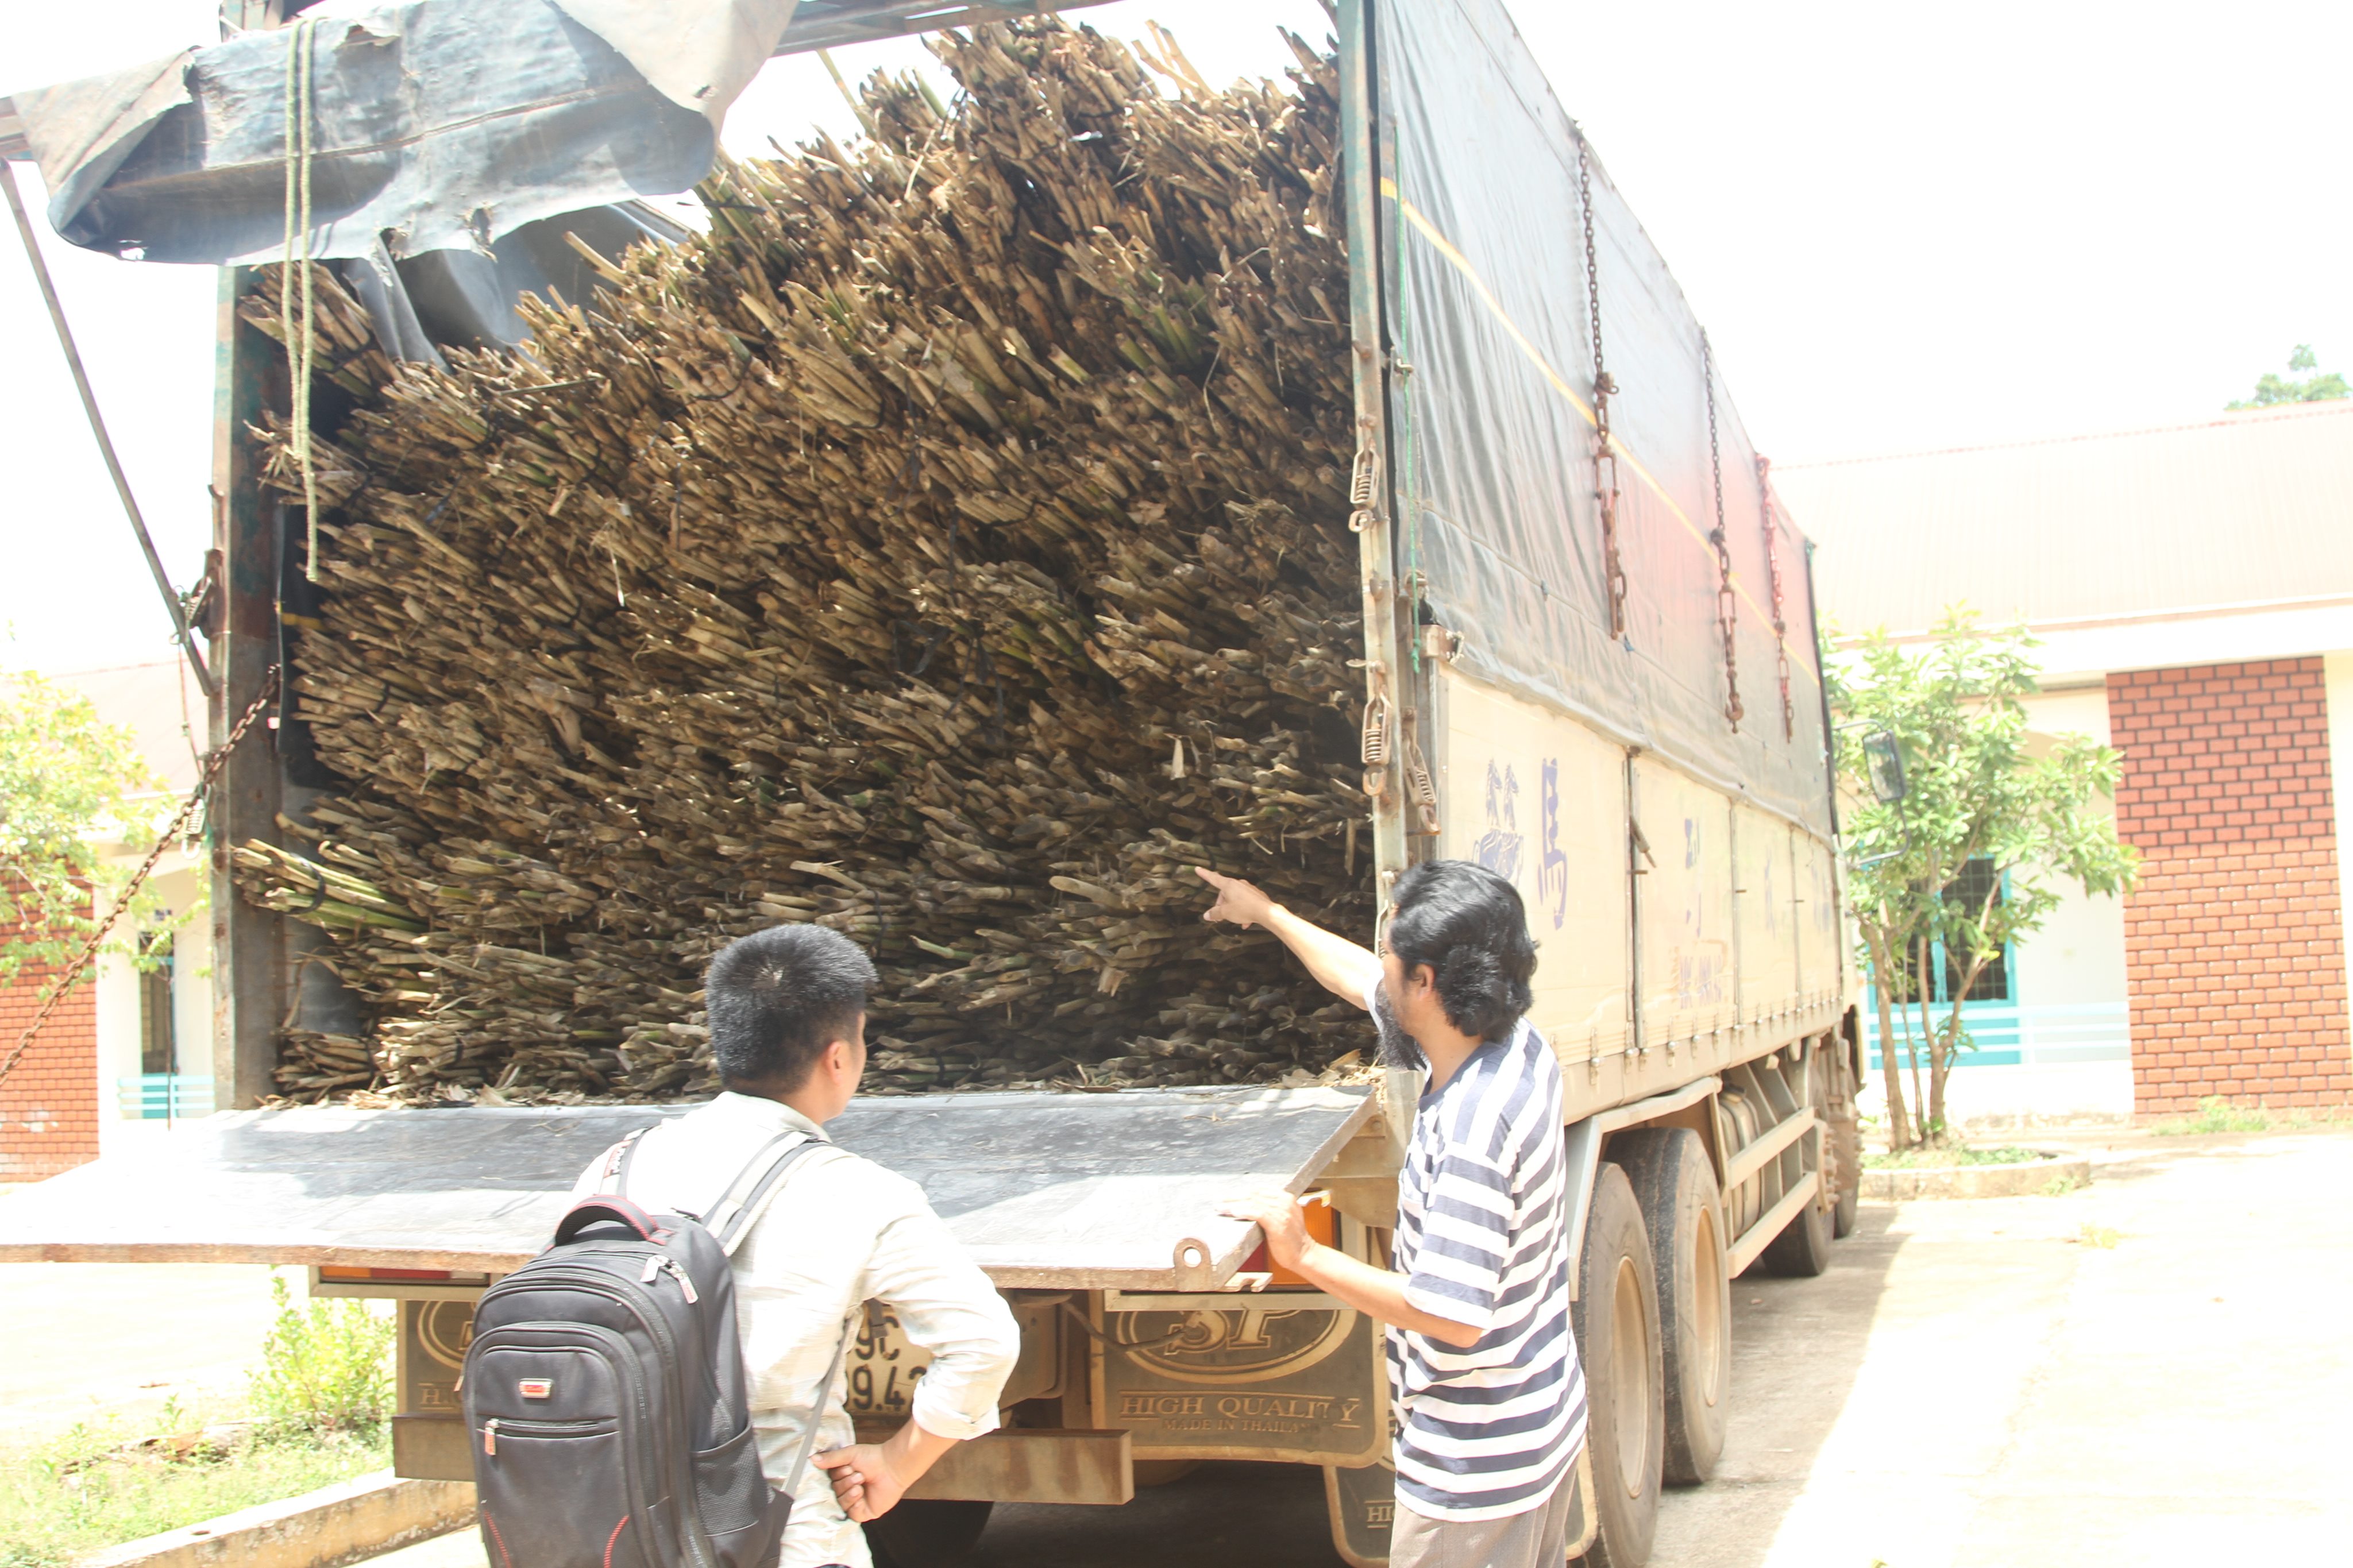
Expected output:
(72, 977)
(1605, 449)
(1727, 606)
(1780, 620)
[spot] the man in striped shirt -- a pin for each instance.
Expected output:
(1482, 1370)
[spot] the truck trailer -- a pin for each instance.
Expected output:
(1590, 663)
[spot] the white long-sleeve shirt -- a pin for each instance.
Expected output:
(839, 1231)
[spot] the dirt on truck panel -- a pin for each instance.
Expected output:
(951, 547)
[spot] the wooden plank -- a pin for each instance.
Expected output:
(1049, 1191)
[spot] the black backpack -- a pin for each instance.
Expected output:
(604, 1389)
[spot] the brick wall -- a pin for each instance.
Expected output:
(2234, 942)
(49, 1103)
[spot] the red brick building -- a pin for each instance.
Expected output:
(129, 1050)
(2192, 588)
(2235, 941)
(50, 1102)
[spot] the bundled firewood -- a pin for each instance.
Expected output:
(949, 548)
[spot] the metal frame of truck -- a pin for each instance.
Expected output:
(1190, 1354)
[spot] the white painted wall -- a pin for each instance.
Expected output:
(179, 889)
(2069, 982)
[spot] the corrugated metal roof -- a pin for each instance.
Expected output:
(2244, 509)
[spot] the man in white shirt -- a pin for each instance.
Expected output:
(787, 1010)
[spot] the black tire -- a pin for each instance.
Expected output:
(1845, 1134)
(927, 1534)
(1803, 1248)
(1849, 1206)
(1615, 1316)
(1684, 1213)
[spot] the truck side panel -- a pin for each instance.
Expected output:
(1725, 906)
(1765, 903)
(1690, 980)
(1542, 799)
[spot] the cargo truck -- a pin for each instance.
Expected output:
(1591, 665)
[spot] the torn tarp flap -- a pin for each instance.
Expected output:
(81, 132)
(438, 124)
(698, 53)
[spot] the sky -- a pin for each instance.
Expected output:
(1905, 228)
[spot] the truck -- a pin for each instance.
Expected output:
(1591, 663)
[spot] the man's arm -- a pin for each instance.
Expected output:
(1339, 965)
(947, 1305)
(1373, 1292)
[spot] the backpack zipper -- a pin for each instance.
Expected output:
(490, 1435)
(657, 1264)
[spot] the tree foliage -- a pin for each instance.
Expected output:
(2275, 389)
(1979, 788)
(67, 782)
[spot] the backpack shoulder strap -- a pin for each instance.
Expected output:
(615, 1181)
(824, 1398)
(729, 1219)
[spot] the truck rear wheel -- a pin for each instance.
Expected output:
(927, 1533)
(1615, 1316)
(1803, 1248)
(1668, 1169)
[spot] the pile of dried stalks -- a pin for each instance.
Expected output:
(950, 549)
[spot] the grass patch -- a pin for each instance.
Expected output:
(100, 1483)
(2216, 1114)
(316, 1414)
(2098, 1236)
(2059, 1187)
(1927, 1159)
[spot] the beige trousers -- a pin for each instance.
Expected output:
(1537, 1537)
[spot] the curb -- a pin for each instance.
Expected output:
(1973, 1181)
(323, 1528)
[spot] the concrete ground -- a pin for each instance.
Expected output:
(2153, 1370)
(84, 1339)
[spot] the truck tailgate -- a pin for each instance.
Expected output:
(1055, 1191)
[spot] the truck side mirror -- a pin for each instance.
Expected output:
(1884, 758)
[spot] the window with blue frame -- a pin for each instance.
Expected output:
(1989, 1011)
(1968, 892)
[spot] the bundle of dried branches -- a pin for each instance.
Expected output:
(949, 548)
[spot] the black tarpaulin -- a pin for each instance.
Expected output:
(1491, 425)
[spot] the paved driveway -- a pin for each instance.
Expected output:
(83, 1338)
(2156, 1369)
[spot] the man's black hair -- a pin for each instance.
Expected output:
(777, 998)
(1469, 925)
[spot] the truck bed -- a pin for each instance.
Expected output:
(1051, 1191)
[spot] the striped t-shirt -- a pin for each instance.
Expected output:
(1483, 1239)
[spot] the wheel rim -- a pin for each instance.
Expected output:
(1707, 1312)
(1630, 1337)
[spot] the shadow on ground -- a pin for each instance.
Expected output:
(1224, 1514)
(1796, 1347)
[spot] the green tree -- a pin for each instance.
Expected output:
(67, 783)
(1976, 790)
(2275, 389)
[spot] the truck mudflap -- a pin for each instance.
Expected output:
(1048, 1191)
